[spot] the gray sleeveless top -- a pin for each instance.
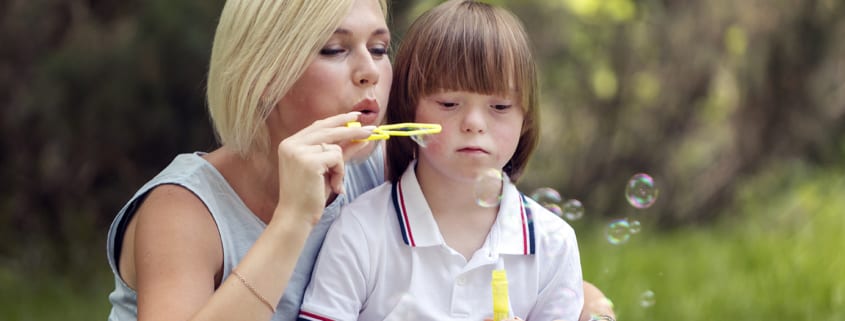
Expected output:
(239, 228)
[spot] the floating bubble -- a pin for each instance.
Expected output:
(488, 188)
(647, 299)
(634, 226)
(640, 191)
(618, 232)
(548, 198)
(573, 210)
(546, 195)
(421, 140)
(554, 208)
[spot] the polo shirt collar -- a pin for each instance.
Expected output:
(513, 229)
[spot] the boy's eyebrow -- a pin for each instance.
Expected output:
(377, 32)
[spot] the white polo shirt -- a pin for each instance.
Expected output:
(385, 259)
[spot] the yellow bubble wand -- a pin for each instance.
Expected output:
(501, 301)
(402, 129)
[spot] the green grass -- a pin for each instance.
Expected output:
(37, 295)
(776, 256)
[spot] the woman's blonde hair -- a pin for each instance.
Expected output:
(463, 45)
(261, 48)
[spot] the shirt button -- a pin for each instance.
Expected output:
(462, 281)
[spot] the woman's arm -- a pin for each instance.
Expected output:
(176, 248)
(595, 303)
(178, 262)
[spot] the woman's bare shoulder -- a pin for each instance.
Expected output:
(172, 237)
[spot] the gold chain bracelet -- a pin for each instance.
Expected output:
(255, 292)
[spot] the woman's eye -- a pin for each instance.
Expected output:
(331, 51)
(378, 51)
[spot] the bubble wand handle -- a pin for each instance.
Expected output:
(501, 301)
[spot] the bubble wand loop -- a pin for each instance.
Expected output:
(384, 132)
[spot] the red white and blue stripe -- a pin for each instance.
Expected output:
(520, 228)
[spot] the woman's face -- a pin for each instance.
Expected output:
(352, 72)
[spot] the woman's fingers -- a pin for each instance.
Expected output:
(311, 161)
(333, 161)
(333, 130)
(339, 120)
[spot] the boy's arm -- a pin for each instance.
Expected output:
(337, 289)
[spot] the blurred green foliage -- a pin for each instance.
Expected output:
(735, 108)
(776, 257)
(97, 96)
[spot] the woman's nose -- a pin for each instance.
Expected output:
(365, 72)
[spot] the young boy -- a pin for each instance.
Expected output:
(421, 247)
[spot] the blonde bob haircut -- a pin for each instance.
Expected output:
(463, 45)
(261, 48)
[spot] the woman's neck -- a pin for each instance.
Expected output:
(254, 178)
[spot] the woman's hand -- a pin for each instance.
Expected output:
(596, 304)
(311, 164)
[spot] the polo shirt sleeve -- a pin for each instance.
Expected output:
(337, 290)
(561, 296)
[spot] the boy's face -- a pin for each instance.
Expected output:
(479, 132)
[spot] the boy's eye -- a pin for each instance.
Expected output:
(447, 104)
(501, 107)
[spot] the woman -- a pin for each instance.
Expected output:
(247, 208)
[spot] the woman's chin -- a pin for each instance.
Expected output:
(365, 152)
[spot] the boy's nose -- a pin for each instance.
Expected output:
(474, 121)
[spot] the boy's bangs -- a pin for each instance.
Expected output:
(460, 69)
(478, 53)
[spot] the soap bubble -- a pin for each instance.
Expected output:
(618, 232)
(647, 299)
(634, 226)
(573, 210)
(488, 188)
(548, 198)
(640, 191)
(421, 140)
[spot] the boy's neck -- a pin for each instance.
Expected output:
(462, 222)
